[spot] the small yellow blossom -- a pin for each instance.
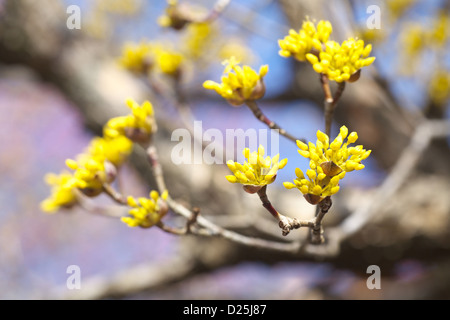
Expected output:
(115, 150)
(396, 8)
(317, 186)
(97, 165)
(145, 56)
(338, 152)
(439, 88)
(172, 17)
(168, 61)
(340, 62)
(62, 192)
(198, 40)
(178, 15)
(308, 38)
(146, 212)
(329, 162)
(258, 171)
(242, 85)
(137, 58)
(89, 174)
(414, 39)
(137, 126)
(441, 29)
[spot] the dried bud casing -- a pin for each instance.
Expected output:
(355, 76)
(330, 168)
(163, 207)
(137, 135)
(111, 171)
(312, 198)
(251, 188)
(259, 91)
(91, 192)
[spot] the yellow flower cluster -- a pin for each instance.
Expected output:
(137, 126)
(328, 164)
(413, 39)
(440, 32)
(178, 15)
(168, 61)
(199, 37)
(146, 212)
(62, 192)
(439, 88)
(317, 186)
(243, 85)
(257, 171)
(98, 164)
(173, 17)
(307, 39)
(340, 62)
(396, 8)
(112, 149)
(136, 57)
(141, 58)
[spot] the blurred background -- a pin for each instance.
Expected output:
(58, 87)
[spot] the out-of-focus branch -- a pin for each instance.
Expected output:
(404, 167)
(218, 8)
(132, 280)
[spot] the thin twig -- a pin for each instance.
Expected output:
(186, 229)
(177, 99)
(90, 206)
(215, 230)
(286, 224)
(272, 125)
(172, 230)
(156, 167)
(330, 101)
(113, 194)
(317, 230)
(193, 219)
(218, 8)
(148, 276)
(211, 228)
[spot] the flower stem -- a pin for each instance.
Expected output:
(218, 8)
(153, 158)
(272, 125)
(330, 101)
(113, 194)
(286, 224)
(316, 230)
